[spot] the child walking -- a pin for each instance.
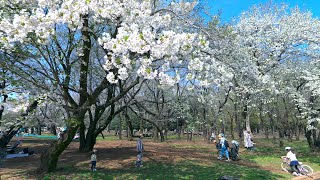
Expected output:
(93, 160)
(139, 160)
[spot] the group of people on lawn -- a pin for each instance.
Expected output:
(222, 145)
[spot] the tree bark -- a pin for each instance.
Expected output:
(120, 128)
(130, 128)
(53, 129)
(39, 129)
(49, 159)
(8, 135)
(5, 139)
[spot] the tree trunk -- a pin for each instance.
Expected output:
(245, 117)
(49, 159)
(237, 119)
(296, 129)
(155, 133)
(8, 135)
(166, 127)
(90, 142)
(39, 129)
(1, 112)
(93, 132)
(83, 138)
(223, 126)
(166, 134)
(274, 139)
(141, 126)
(120, 128)
(248, 127)
(53, 129)
(5, 139)
(266, 132)
(188, 136)
(179, 132)
(281, 136)
(161, 136)
(130, 128)
(263, 122)
(313, 139)
(231, 128)
(245, 113)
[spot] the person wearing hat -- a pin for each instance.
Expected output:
(224, 147)
(93, 160)
(294, 163)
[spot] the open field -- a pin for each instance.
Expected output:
(172, 159)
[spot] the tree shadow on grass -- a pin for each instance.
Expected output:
(182, 170)
(193, 171)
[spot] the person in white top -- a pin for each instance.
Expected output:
(248, 141)
(294, 163)
(139, 160)
(245, 138)
(93, 160)
(212, 137)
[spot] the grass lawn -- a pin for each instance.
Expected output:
(181, 170)
(173, 159)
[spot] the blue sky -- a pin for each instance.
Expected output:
(233, 8)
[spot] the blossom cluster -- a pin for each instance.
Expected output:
(139, 40)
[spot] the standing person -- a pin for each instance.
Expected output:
(218, 146)
(93, 160)
(294, 163)
(224, 147)
(139, 160)
(212, 137)
(245, 139)
(249, 141)
(140, 146)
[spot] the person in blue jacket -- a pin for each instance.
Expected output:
(224, 145)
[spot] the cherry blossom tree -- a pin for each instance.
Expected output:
(138, 41)
(271, 39)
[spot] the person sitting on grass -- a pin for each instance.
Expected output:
(294, 163)
(224, 147)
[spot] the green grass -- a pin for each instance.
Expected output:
(265, 156)
(268, 154)
(263, 163)
(181, 170)
(109, 138)
(191, 146)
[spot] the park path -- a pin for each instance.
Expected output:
(315, 176)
